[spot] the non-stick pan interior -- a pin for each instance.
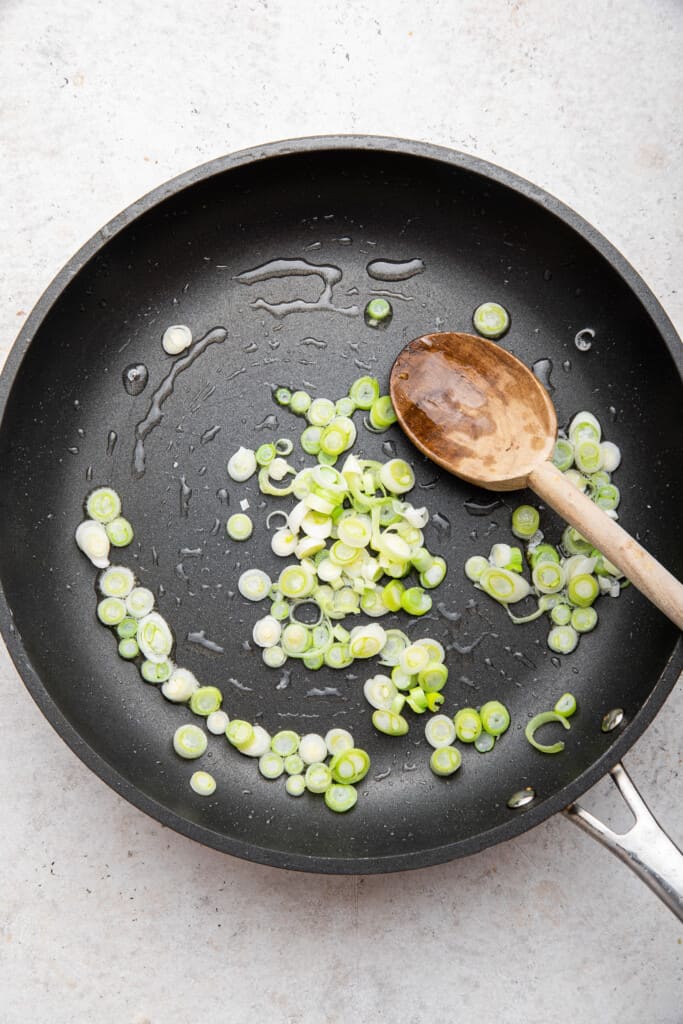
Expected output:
(69, 425)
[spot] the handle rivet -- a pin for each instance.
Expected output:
(612, 719)
(521, 798)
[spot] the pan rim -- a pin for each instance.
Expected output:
(519, 821)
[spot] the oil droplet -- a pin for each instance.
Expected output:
(584, 339)
(612, 413)
(135, 378)
(185, 496)
(216, 527)
(316, 342)
(181, 574)
(477, 508)
(209, 434)
(284, 679)
(88, 473)
(378, 313)
(555, 661)
(547, 275)
(389, 449)
(269, 423)
(567, 365)
(73, 450)
(542, 369)
(395, 270)
(112, 438)
(223, 496)
(441, 522)
(155, 556)
(324, 691)
(344, 240)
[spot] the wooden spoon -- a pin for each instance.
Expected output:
(480, 413)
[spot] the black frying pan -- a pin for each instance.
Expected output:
(68, 424)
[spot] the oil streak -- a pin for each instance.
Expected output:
(328, 274)
(209, 434)
(165, 390)
(200, 637)
(185, 496)
(395, 270)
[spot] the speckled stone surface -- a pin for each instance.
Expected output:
(104, 915)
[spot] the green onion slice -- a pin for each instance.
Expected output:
(491, 320)
(111, 611)
(189, 741)
(205, 700)
(350, 766)
(440, 731)
(119, 531)
(445, 760)
(389, 722)
(239, 526)
(340, 798)
(103, 504)
(543, 719)
(495, 717)
(242, 464)
(203, 783)
(468, 724)
(566, 705)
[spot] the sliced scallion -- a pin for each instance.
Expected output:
(139, 602)
(242, 464)
(468, 724)
(495, 717)
(312, 748)
(340, 797)
(271, 765)
(566, 705)
(440, 731)
(239, 526)
(180, 685)
(295, 785)
(364, 391)
(205, 700)
(189, 741)
(491, 320)
(91, 538)
(111, 611)
(563, 639)
(203, 783)
(318, 777)
(116, 581)
(390, 723)
(128, 648)
(217, 722)
(525, 521)
(543, 719)
(120, 532)
(103, 504)
(445, 760)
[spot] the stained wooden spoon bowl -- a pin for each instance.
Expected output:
(479, 412)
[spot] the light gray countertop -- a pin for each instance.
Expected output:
(105, 916)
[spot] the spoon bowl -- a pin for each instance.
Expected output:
(480, 413)
(473, 408)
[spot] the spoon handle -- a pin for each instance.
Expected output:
(644, 571)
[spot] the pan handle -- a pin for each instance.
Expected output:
(645, 847)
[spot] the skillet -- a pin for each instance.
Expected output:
(179, 255)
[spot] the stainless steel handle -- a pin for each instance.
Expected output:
(645, 848)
